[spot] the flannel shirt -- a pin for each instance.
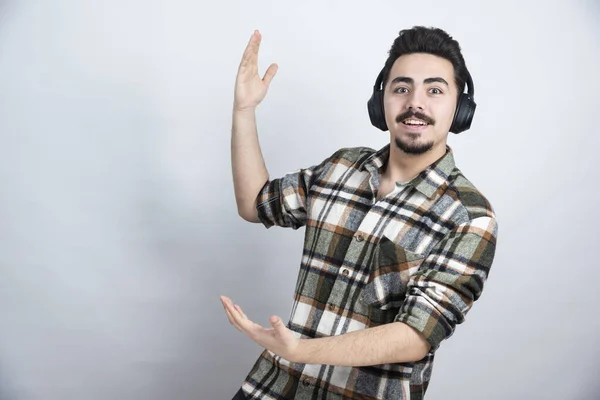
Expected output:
(420, 255)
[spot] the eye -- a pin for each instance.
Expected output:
(401, 89)
(435, 91)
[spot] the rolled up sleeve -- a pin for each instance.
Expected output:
(450, 280)
(283, 201)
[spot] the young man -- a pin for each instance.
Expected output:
(398, 243)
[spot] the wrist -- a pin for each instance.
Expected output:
(244, 119)
(300, 351)
(244, 110)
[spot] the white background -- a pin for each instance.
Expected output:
(118, 227)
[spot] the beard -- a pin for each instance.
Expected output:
(411, 146)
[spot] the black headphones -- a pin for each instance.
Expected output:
(462, 118)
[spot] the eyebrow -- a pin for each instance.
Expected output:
(411, 81)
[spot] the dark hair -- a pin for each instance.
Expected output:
(435, 41)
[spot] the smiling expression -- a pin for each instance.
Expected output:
(420, 101)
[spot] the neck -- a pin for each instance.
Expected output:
(402, 167)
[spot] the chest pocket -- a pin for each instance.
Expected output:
(391, 270)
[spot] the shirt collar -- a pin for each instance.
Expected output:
(428, 181)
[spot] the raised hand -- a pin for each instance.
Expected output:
(250, 88)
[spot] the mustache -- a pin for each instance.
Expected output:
(411, 113)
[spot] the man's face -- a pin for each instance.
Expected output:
(420, 100)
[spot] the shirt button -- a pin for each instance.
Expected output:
(345, 271)
(331, 306)
(305, 382)
(359, 237)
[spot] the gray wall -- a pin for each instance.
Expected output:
(118, 228)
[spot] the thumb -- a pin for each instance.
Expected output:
(270, 73)
(277, 323)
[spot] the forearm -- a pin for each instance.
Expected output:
(390, 343)
(248, 167)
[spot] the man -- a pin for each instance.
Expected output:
(398, 243)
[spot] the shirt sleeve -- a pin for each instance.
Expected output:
(450, 280)
(284, 201)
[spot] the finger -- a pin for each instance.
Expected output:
(228, 305)
(239, 309)
(277, 323)
(231, 314)
(233, 321)
(251, 46)
(250, 55)
(239, 316)
(239, 319)
(243, 321)
(226, 301)
(270, 73)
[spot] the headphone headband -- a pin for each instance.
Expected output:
(470, 86)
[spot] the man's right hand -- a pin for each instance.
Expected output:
(250, 89)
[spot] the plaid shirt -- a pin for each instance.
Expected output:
(420, 256)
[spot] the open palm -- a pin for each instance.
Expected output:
(250, 88)
(279, 339)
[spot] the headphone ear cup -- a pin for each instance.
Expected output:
(463, 117)
(376, 112)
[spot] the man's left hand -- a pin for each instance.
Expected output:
(278, 339)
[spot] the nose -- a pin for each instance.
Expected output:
(416, 100)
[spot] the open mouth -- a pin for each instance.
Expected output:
(414, 122)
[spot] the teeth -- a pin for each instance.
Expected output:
(414, 122)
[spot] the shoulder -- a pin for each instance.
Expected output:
(473, 202)
(351, 155)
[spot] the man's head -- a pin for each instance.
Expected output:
(423, 77)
